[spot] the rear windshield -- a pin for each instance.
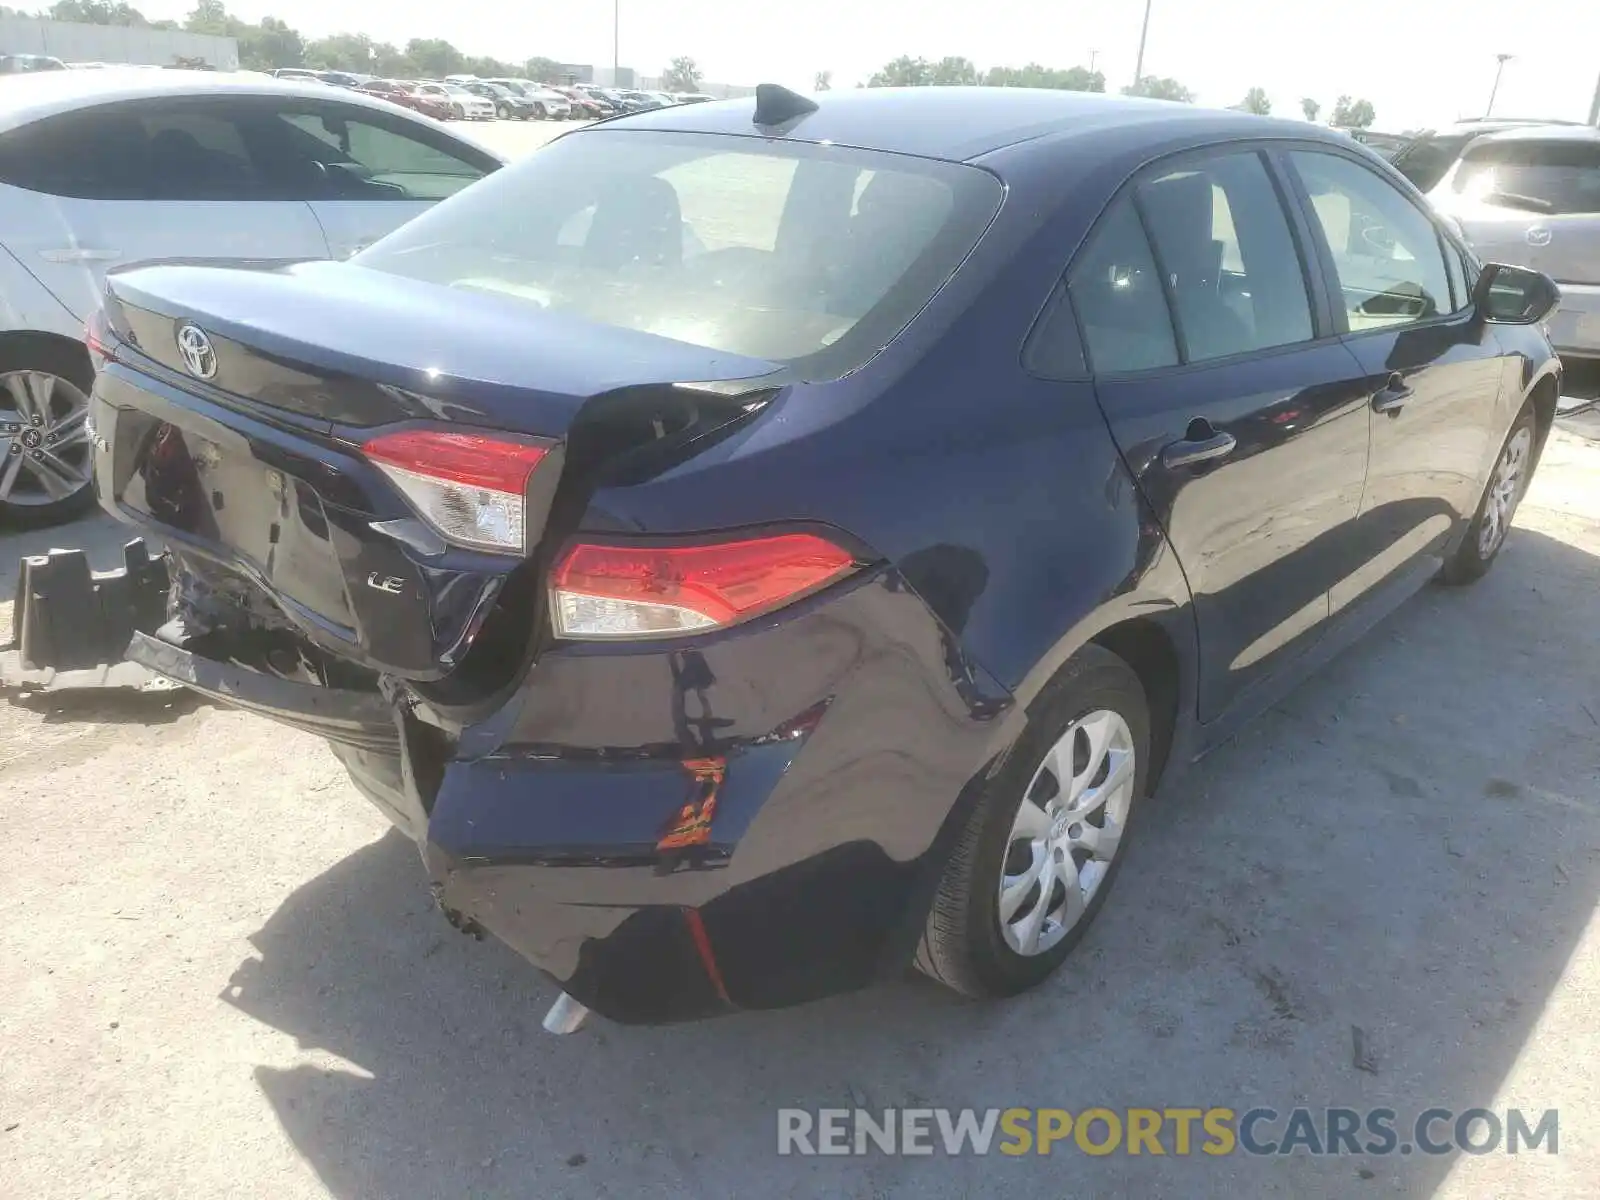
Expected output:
(1546, 177)
(1426, 160)
(813, 256)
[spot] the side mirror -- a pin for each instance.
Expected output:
(1509, 295)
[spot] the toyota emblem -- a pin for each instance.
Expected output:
(197, 352)
(1538, 236)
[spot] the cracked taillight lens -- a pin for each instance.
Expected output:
(470, 488)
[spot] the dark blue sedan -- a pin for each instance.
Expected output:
(754, 546)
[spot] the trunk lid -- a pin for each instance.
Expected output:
(243, 446)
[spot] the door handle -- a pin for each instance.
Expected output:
(1393, 396)
(79, 254)
(1204, 444)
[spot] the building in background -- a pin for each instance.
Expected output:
(75, 43)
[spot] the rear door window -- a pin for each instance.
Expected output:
(1223, 245)
(134, 152)
(1117, 293)
(368, 157)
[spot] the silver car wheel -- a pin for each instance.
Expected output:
(1505, 491)
(44, 439)
(1067, 832)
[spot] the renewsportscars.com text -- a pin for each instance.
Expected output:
(1213, 1132)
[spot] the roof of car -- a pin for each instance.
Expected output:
(1542, 133)
(32, 97)
(961, 123)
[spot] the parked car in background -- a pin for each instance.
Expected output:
(637, 102)
(25, 64)
(342, 79)
(612, 97)
(743, 582)
(407, 96)
(464, 106)
(692, 97)
(301, 74)
(1530, 195)
(99, 169)
(1426, 156)
(586, 106)
(589, 104)
(548, 102)
(508, 103)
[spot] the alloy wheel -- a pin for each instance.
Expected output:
(1067, 832)
(44, 439)
(1505, 491)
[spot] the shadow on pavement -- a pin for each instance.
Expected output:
(109, 706)
(1410, 845)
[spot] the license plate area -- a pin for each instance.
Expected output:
(199, 479)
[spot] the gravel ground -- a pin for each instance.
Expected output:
(221, 975)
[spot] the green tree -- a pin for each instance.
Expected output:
(904, 71)
(209, 16)
(954, 72)
(1352, 114)
(435, 57)
(1255, 101)
(1158, 88)
(822, 81)
(269, 45)
(1073, 79)
(341, 52)
(95, 12)
(681, 75)
(1310, 108)
(545, 70)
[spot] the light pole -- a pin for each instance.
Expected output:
(1500, 66)
(1144, 32)
(616, 43)
(1594, 105)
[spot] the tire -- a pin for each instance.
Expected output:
(503, 113)
(540, 113)
(1508, 483)
(44, 398)
(967, 943)
(458, 112)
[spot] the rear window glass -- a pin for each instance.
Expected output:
(1428, 159)
(1545, 177)
(807, 255)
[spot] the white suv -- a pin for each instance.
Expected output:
(99, 169)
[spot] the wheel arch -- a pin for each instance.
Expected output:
(1155, 635)
(15, 343)
(1544, 393)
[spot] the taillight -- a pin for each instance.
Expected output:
(471, 489)
(600, 591)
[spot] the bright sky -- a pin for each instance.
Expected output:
(1419, 61)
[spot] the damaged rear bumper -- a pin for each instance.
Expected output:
(753, 820)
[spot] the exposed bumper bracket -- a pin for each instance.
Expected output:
(71, 626)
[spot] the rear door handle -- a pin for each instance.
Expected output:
(79, 254)
(1192, 450)
(1393, 396)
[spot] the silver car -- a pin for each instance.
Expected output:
(1531, 197)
